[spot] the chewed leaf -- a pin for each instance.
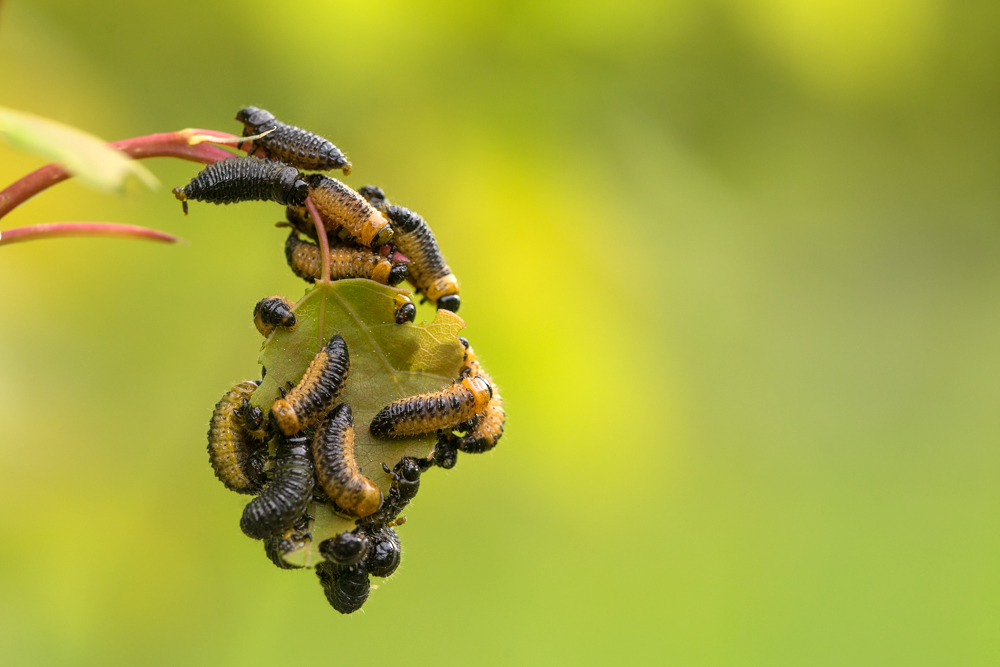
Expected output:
(85, 156)
(389, 361)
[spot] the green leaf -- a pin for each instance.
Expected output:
(389, 361)
(85, 156)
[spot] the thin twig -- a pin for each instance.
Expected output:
(324, 244)
(55, 229)
(165, 144)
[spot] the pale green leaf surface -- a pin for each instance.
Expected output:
(389, 361)
(85, 156)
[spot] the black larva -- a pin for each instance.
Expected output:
(346, 587)
(289, 144)
(245, 179)
(283, 500)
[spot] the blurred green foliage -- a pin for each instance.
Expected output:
(732, 263)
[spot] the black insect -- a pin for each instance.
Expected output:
(293, 539)
(306, 262)
(346, 548)
(337, 468)
(289, 144)
(285, 498)
(413, 237)
(346, 587)
(340, 205)
(273, 312)
(234, 454)
(245, 179)
(384, 553)
(427, 413)
(405, 310)
(405, 484)
(321, 385)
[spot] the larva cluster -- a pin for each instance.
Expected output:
(297, 453)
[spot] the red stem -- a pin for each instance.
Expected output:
(54, 229)
(164, 144)
(324, 244)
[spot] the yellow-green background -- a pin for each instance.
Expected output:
(735, 265)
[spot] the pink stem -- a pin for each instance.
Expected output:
(54, 229)
(164, 144)
(324, 244)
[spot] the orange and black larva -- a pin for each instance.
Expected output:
(245, 179)
(346, 587)
(273, 312)
(235, 455)
(306, 261)
(285, 498)
(488, 427)
(289, 144)
(340, 205)
(315, 393)
(337, 468)
(413, 237)
(427, 413)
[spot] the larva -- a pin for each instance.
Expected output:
(316, 391)
(488, 429)
(336, 467)
(289, 144)
(285, 499)
(346, 588)
(245, 179)
(340, 205)
(384, 553)
(273, 312)
(413, 237)
(405, 310)
(346, 548)
(427, 413)
(306, 262)
(231, 450)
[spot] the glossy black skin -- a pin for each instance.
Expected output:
(276, 547)
(449, 302)
(406, 313)
(245, 179)
(346, 548)
(383, 556)
(289, 144)
(398, 274)
(346, 587)
(283, 500)
(445, 454)
(275, 312)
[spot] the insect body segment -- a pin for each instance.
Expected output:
(336, 467)
(427, 413)
(245, 179)
(306, 262)
(273, 312)
(316, 391)
(285, 499)
(289, 144)
(231, 450)
(413, 237)
(340, 205)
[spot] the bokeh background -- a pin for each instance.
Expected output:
(733, 263)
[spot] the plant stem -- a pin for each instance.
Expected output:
(324, 243)
(54, 229)
(165, 144)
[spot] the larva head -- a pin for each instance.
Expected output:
(289, 188)
(345, 548)
(450, 302)
(383, 558)
(398, 273)
(284, 417)
(405, 310)
(253, 118)
(383, 236)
